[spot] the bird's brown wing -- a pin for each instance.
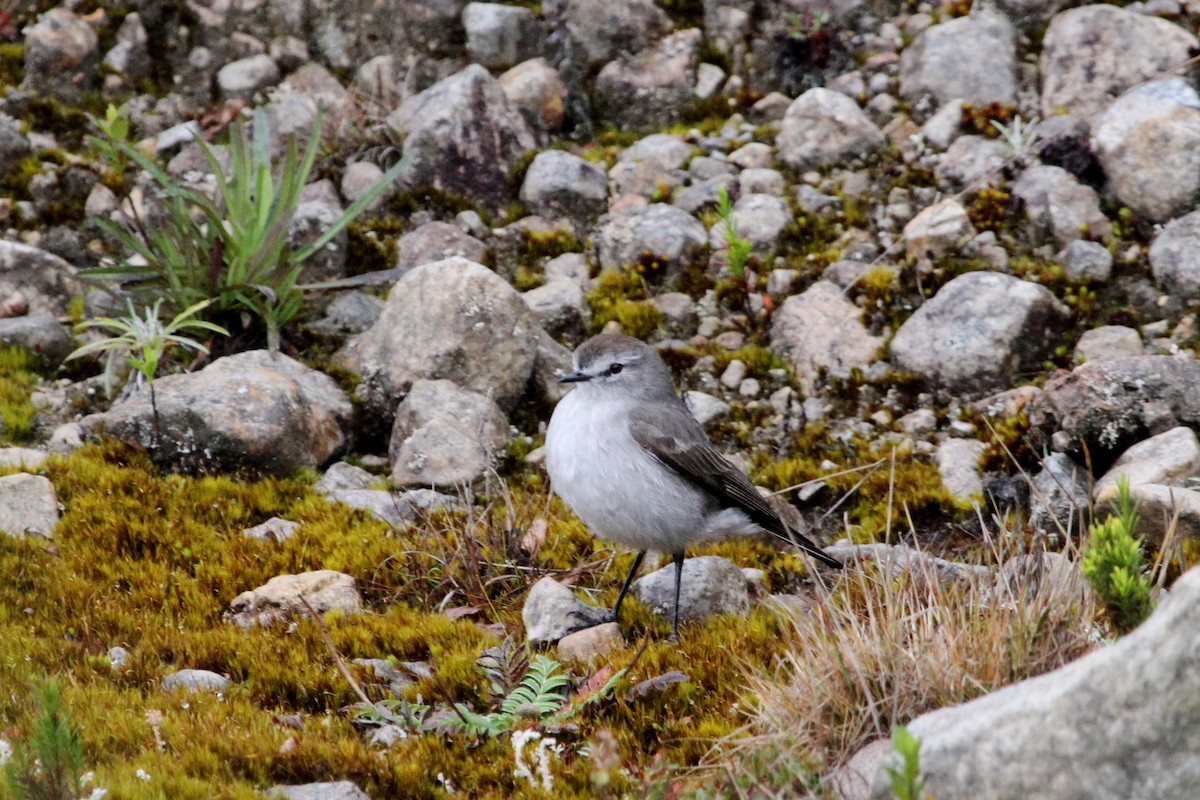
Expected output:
(673, 436)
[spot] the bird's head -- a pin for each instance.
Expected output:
(612, 362)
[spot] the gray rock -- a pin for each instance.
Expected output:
(701, 168)
(47, 281)
(958, 466)
(397, 678)
(940, 229)
(349, 313)
(61, 56)
(652, 88)
(452, 319)
(462, 137)
(945, 125)
(339, 790)
(130, 56)
(821, 334)
(972, 58)
(973, 161)
(899, 559)
(1047, 579)
(500, 36)
(978, 331)
(590, 644)
(14, 145)
(397, 509)
(1148, 142)
(1159, 509)
(242, 79)
(1169, 458)
(1060, 207)
(758, 218)
(823, 128)
(344, 475)
(66, 438)
(28, 505)
(283, 597)
(559, 306)
(295, 101)
(679, 313)
(1059, 726)
(709, 79)
(117, 657)
(276, 529)
(1092, 54)
(753, 155)
(704, 195)
(552, 611)
(444, 435)
(649, 164)
(25, 458)
(1086, 261)
(358, 179)
(553, 361)
(1028, 15)
(314, 215)
(436, 241)
(39, 333)
(761, 180)
(559, 184)
(569, 266)
(536, 91)
(711, 585)
(669, 235)
(255, 411)
(195, 680)
(1175, 257)
(622, 26)
(1107, 342)
(706, 408)
(1109, 405)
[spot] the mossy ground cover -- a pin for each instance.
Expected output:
(151, 562)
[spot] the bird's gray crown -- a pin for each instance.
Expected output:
(622, 362)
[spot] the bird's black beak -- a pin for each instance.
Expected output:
(574, 377)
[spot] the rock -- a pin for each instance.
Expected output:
(1148, 142)
(703, 195)
(537, 92)
(752, 155)
(940, 229)
(821, 334)
(758, 218)
(553, 361)
(39, 333)
(242, 79)
(276, 529)
(823, 128)
(344, 475)
(649, 165)
(1159, 509)
(559, 184)
(624, 26)
(317, 211)
(973, 161)
(958, 466)
(709, 79)
(978, 331)
(1086, 261)
(436, 241)
(1094, 53)
(500, 36)
(1060, 207)
(339, 790)
(396, 678)
(560, 307)
(394, 508)
(358, 179)
(901, 559)
(678, 313)
(711, 585)
(761, 180)
(659, 232)
(282, 598)
(1047, 579)
(1059, 726)
(47, 281)
(590, 644)
(1107, 342)
(451, 319)
(971, 58)
(348, 314)
(14, 145)
(652, 88)
(945, 125)
(28, 506)
(444, 435)
(852, 780)
(705, 408)
(1175, 257)
(462, 137)
(255, 411)
(25, 458)
(61, 56)
(195, 680)
(1169, 458)
(552, 611)
(569, 266)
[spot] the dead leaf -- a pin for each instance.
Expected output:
(289, 745)
(533, 539)
(658, 682)
(595, 683)
(459, 612)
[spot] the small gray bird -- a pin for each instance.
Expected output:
(627, 456)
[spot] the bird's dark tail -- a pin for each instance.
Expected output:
(786, 534)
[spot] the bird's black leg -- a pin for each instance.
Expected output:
(637, 562)
(678, 582)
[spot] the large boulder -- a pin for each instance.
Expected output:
(61, 55)
(659, 233)
(255, 411)
(461, 136)
(452, 319)
(978, 331)
(559, 184)
(822, 128)
(1090, 55)
(1121, 722)
(821, 334)
(972, 58)
(1058, 206)
(651, 89)
(444, 436)
(601, 32)
(47, 281)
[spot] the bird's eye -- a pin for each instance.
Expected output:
(615, 369)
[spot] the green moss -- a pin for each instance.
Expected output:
(539, 245)
(621, 295)
(371, 244)
(12, 63)
(18, 366)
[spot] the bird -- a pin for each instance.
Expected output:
(626, 455)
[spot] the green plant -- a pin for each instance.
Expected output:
(235, 248)
(1019, 135)
(1114, 565)
(144, 340)
(48, 765)
(737, 249)
(115, 129)
(906, 778)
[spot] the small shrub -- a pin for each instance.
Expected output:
(906, 777)
(1114, 565)
(48, 765)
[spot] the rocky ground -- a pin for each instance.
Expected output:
(927, 271)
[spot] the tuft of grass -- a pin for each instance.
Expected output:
(18, 366)
(48, 765)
